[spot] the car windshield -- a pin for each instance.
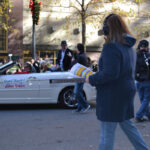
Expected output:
(5, 67)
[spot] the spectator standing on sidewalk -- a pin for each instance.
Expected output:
(64, 57)
(83, 106)
(142, 77)
(115, 84)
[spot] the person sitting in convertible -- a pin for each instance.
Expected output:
(27, 69)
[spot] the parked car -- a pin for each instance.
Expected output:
(49, 87)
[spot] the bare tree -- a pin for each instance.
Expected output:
(88, 11)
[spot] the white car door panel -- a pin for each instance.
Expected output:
(50, 90)
(47, 90)
(21, 87)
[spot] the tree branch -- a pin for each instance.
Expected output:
(76, 8)
(94, 14)
(87, 5)
(78, 2)
(90, 2)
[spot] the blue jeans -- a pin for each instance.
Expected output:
(143, 89)
(108, 134)
(78, 91)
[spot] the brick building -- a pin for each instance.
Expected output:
(12, 42)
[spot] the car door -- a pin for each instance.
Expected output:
(48, 91)
(52, 84)
(19, 88)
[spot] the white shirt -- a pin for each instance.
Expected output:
(62, 58)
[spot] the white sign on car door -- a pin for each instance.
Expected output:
(18, 87)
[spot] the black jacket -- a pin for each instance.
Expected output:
(66, 61)
(82, 59)
(142, 72)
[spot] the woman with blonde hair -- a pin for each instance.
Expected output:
(115, 84)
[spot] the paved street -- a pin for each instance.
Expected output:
(49, 127)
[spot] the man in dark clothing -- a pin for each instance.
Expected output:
(142, 77)
(83, 106)
(64, 57)
(36, 65)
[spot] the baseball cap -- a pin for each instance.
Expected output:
(143, 43)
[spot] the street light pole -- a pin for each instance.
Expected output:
(33, 34)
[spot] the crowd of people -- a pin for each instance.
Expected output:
(66, 58)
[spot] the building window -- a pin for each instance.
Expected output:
(3, 32)
(2, 39)
(49, 55)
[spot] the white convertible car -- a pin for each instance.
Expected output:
(50, 87)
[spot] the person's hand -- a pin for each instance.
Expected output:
(69, 54)
(87, 80)
(28, 62)
(57, 66)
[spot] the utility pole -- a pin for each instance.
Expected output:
(35, 10)
(33, 33)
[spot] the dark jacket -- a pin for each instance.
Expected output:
(142, 72)
(36, 65)
(66, 61)
(82, 59)
(115, 81)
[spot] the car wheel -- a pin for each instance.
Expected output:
(67, 98)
